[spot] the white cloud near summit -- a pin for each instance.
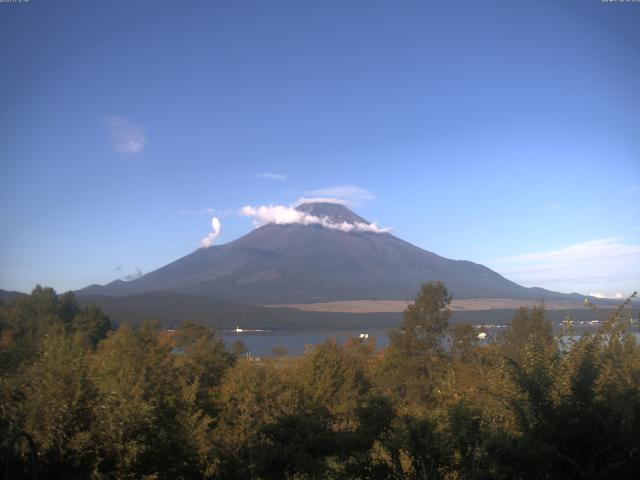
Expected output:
(606, 267)
(283, 215)
(348, 195)
(127, 138)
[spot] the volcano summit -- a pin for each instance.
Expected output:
(319, 252)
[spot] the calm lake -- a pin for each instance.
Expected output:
(261, 344)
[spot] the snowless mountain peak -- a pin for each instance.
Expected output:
(333, 212)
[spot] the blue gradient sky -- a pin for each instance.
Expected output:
(487, 131)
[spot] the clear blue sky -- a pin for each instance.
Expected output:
(482, 130)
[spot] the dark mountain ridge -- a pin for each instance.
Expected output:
(7, 296)
(296, 263)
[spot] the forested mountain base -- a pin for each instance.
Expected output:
(147, 403)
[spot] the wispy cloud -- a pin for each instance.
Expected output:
(339, 201)
(591, 211)
(604, 266)
(216, 227)
(196, 211)
(127, 138)
(205, 211)
(347, 194)
(137, 273)
(132, 273)
(272, 176)
(632, 190)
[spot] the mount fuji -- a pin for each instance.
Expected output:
(334, 256)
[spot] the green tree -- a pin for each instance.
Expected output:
(201, 362)
(464, 342)
(90, 325)
(202, 357)
(425, 322)
(577, 410)
(295, 445)
(29, 319)
(137, 430)
(415, 448)
(413, 363)
(57, 408)
(335, 378)
(251, 395)
(527, 325)
(238, 348)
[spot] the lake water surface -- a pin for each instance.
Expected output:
(261, 344)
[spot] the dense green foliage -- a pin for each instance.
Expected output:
(147, 403)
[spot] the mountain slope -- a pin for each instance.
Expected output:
(7, 296)
(297, 263)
